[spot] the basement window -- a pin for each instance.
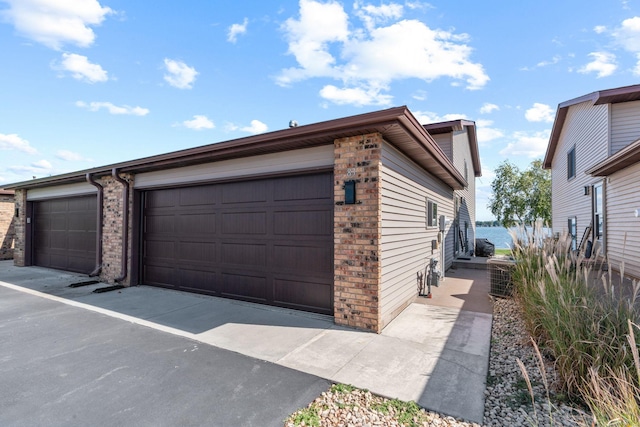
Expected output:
(431, 213)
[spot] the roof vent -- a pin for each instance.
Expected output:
(293, 124)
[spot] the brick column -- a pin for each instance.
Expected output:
(112, 231)
(20, 227)
(357, 233)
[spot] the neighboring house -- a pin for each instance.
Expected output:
(334, 217)
(593, 154)
(7, 213)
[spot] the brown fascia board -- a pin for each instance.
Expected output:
(4, 192)
(609, 96)
(277, 141)
(626, 157)
(458, 125)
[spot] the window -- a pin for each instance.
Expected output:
(598, 212)
(573, 232)
(466, 171)
(571, 163)
(431, 211)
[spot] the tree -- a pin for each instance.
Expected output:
(521, 197)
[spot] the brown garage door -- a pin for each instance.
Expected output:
(268, 241)
(64, 233)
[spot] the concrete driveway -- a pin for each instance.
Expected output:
(148, 356)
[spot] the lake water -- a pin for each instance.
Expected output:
(499, 236)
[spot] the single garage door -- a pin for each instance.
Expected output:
(268, 241)
(64, 233)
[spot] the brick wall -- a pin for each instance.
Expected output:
(357, 233)
(112, 232)
(7, 233)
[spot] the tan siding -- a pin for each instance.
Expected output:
(61, 191)
(622, 227)
(586, 127)
(462, 153)
(625, 124)
(405, 243)
(307, 158)
(445, 142)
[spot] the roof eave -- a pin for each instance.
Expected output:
(316, 134)
(624, 158)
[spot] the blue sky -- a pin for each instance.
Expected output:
(86, 83)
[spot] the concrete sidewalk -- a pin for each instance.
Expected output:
(436, 352)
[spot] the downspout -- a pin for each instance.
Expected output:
(125, 224)
(98, 268)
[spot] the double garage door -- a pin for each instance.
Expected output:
(268, 241)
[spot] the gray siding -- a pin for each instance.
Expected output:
(586, 128)
(625, 124)
(622, 227)
(405, 241)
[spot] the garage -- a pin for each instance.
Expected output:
(64, 233)
(268, 240)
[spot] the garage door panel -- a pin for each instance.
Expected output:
(160, 250)
(166, 198)
(198, 196)
(312, 223)
(244, 286)
(160, 224)
(303, 295)
(267, 240)
(308, 187)
(201, 281)
(197, 251)
(303, 259)
(159, 275)
(245, 192)
(197, 223)
(243, 254)
(244, 223)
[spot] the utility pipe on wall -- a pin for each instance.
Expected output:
(125, 224)
(98, 268)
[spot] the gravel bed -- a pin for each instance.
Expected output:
(507, 398)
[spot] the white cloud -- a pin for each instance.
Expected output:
(113, 109)
(528, 144)
(554, 60)
(256, 127)
(427, 117)
(486, 133)
(539, 113)
(603, 64)
(237, 29)
(179, 74)
(13, 142)
(354, 96)
(368, 59)
(599, 29)
(199, 122)
(42, 167)
(54, 23)
(488, 108)
(71, 156)
(372, 15)
(81, 69)
(628, 34)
